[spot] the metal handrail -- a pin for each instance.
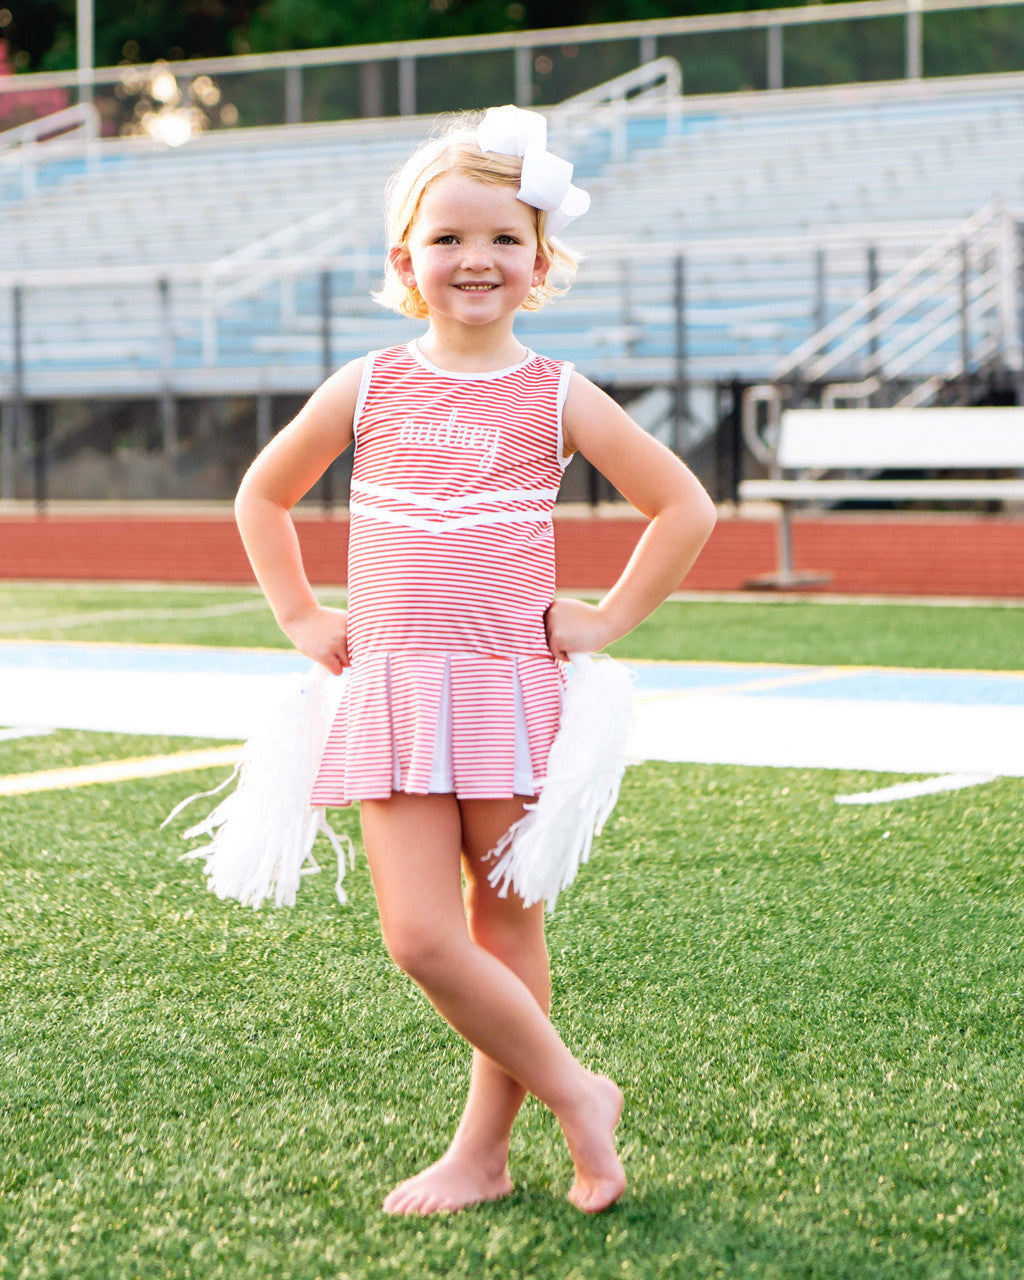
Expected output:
(607, 106)
(81, 117)
(265, 263)
(844, 324)
(975, 309)
(21, 145)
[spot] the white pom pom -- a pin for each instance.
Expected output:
(262, 834)
(540, 854)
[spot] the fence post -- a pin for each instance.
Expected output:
(406, 86)
(7, 450)
(168, 408)
(85, 38)
(524, 77)
(728, 448)
(264, 419)
(775, 57)
(13, 425)
(326, 365)
(371, 91)
(681, 406)
(872, 316)
(1020, 335)
(327, 490)
(820, 300)
(913, 61)
(293, 105)
(40, 452)
(626, 297)
(965, 334)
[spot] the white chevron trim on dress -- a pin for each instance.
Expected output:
(453, 525)
(452, 504)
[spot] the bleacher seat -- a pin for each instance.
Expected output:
(750, 189)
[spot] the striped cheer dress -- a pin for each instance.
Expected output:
(452, 687)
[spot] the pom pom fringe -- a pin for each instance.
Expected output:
(262, 834)
(540, 854)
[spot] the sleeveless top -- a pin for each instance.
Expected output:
(452, 687)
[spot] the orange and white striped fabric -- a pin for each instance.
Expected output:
(451, 568)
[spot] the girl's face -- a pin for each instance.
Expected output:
(471, 252)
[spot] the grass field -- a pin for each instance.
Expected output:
(816, 1012)
(782, 630)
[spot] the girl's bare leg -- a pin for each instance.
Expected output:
(477, 1160)
(413, 845)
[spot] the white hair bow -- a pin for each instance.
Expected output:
(546, 181)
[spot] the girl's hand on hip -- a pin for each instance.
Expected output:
(573, 626)
(321, 634)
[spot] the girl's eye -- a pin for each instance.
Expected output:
(506, 239)
(447, 239)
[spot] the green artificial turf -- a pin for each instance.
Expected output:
(779, 630)
(68, 748)
(815, 1011)
(833, 632)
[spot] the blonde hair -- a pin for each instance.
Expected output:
(456, 151)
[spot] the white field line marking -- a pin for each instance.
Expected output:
(118, 770)
(130, 615)
(923, 787)
(25, 731)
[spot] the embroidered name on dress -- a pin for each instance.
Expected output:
(453, 434)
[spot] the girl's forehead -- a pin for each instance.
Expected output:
(460, 197)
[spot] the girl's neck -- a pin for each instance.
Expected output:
(472, 352)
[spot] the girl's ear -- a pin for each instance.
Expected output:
(398, 256)
(541, 267)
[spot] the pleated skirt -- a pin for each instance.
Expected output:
(468, 724)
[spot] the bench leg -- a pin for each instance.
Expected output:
(784, 536)
(785, 576)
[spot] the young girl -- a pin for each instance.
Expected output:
(453, 636)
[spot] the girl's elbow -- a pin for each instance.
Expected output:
(696, 509)
(244, 497)
(252, 500)
(707, 514)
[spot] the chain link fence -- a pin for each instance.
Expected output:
(121, 451)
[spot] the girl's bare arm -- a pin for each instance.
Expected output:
(660, 487)
(282, 473)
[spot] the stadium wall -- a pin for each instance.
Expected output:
(905, 554)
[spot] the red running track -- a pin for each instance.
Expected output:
(905, 554)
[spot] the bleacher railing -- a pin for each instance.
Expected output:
(958, 293)
(22, 149)
(806, 46)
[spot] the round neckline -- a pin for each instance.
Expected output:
(486, 375)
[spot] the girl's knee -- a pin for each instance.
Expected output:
(502, 926)
(421, 953)
(486, 905)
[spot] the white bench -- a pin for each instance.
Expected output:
(813, 441)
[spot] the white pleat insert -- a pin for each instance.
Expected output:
(442, 773)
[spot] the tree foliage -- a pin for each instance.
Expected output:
(41, 33)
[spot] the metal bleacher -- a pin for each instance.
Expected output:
(724, 233)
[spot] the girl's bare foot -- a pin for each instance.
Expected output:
(453, 1183)
(600, 1177)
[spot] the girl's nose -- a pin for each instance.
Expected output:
(476, 255)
